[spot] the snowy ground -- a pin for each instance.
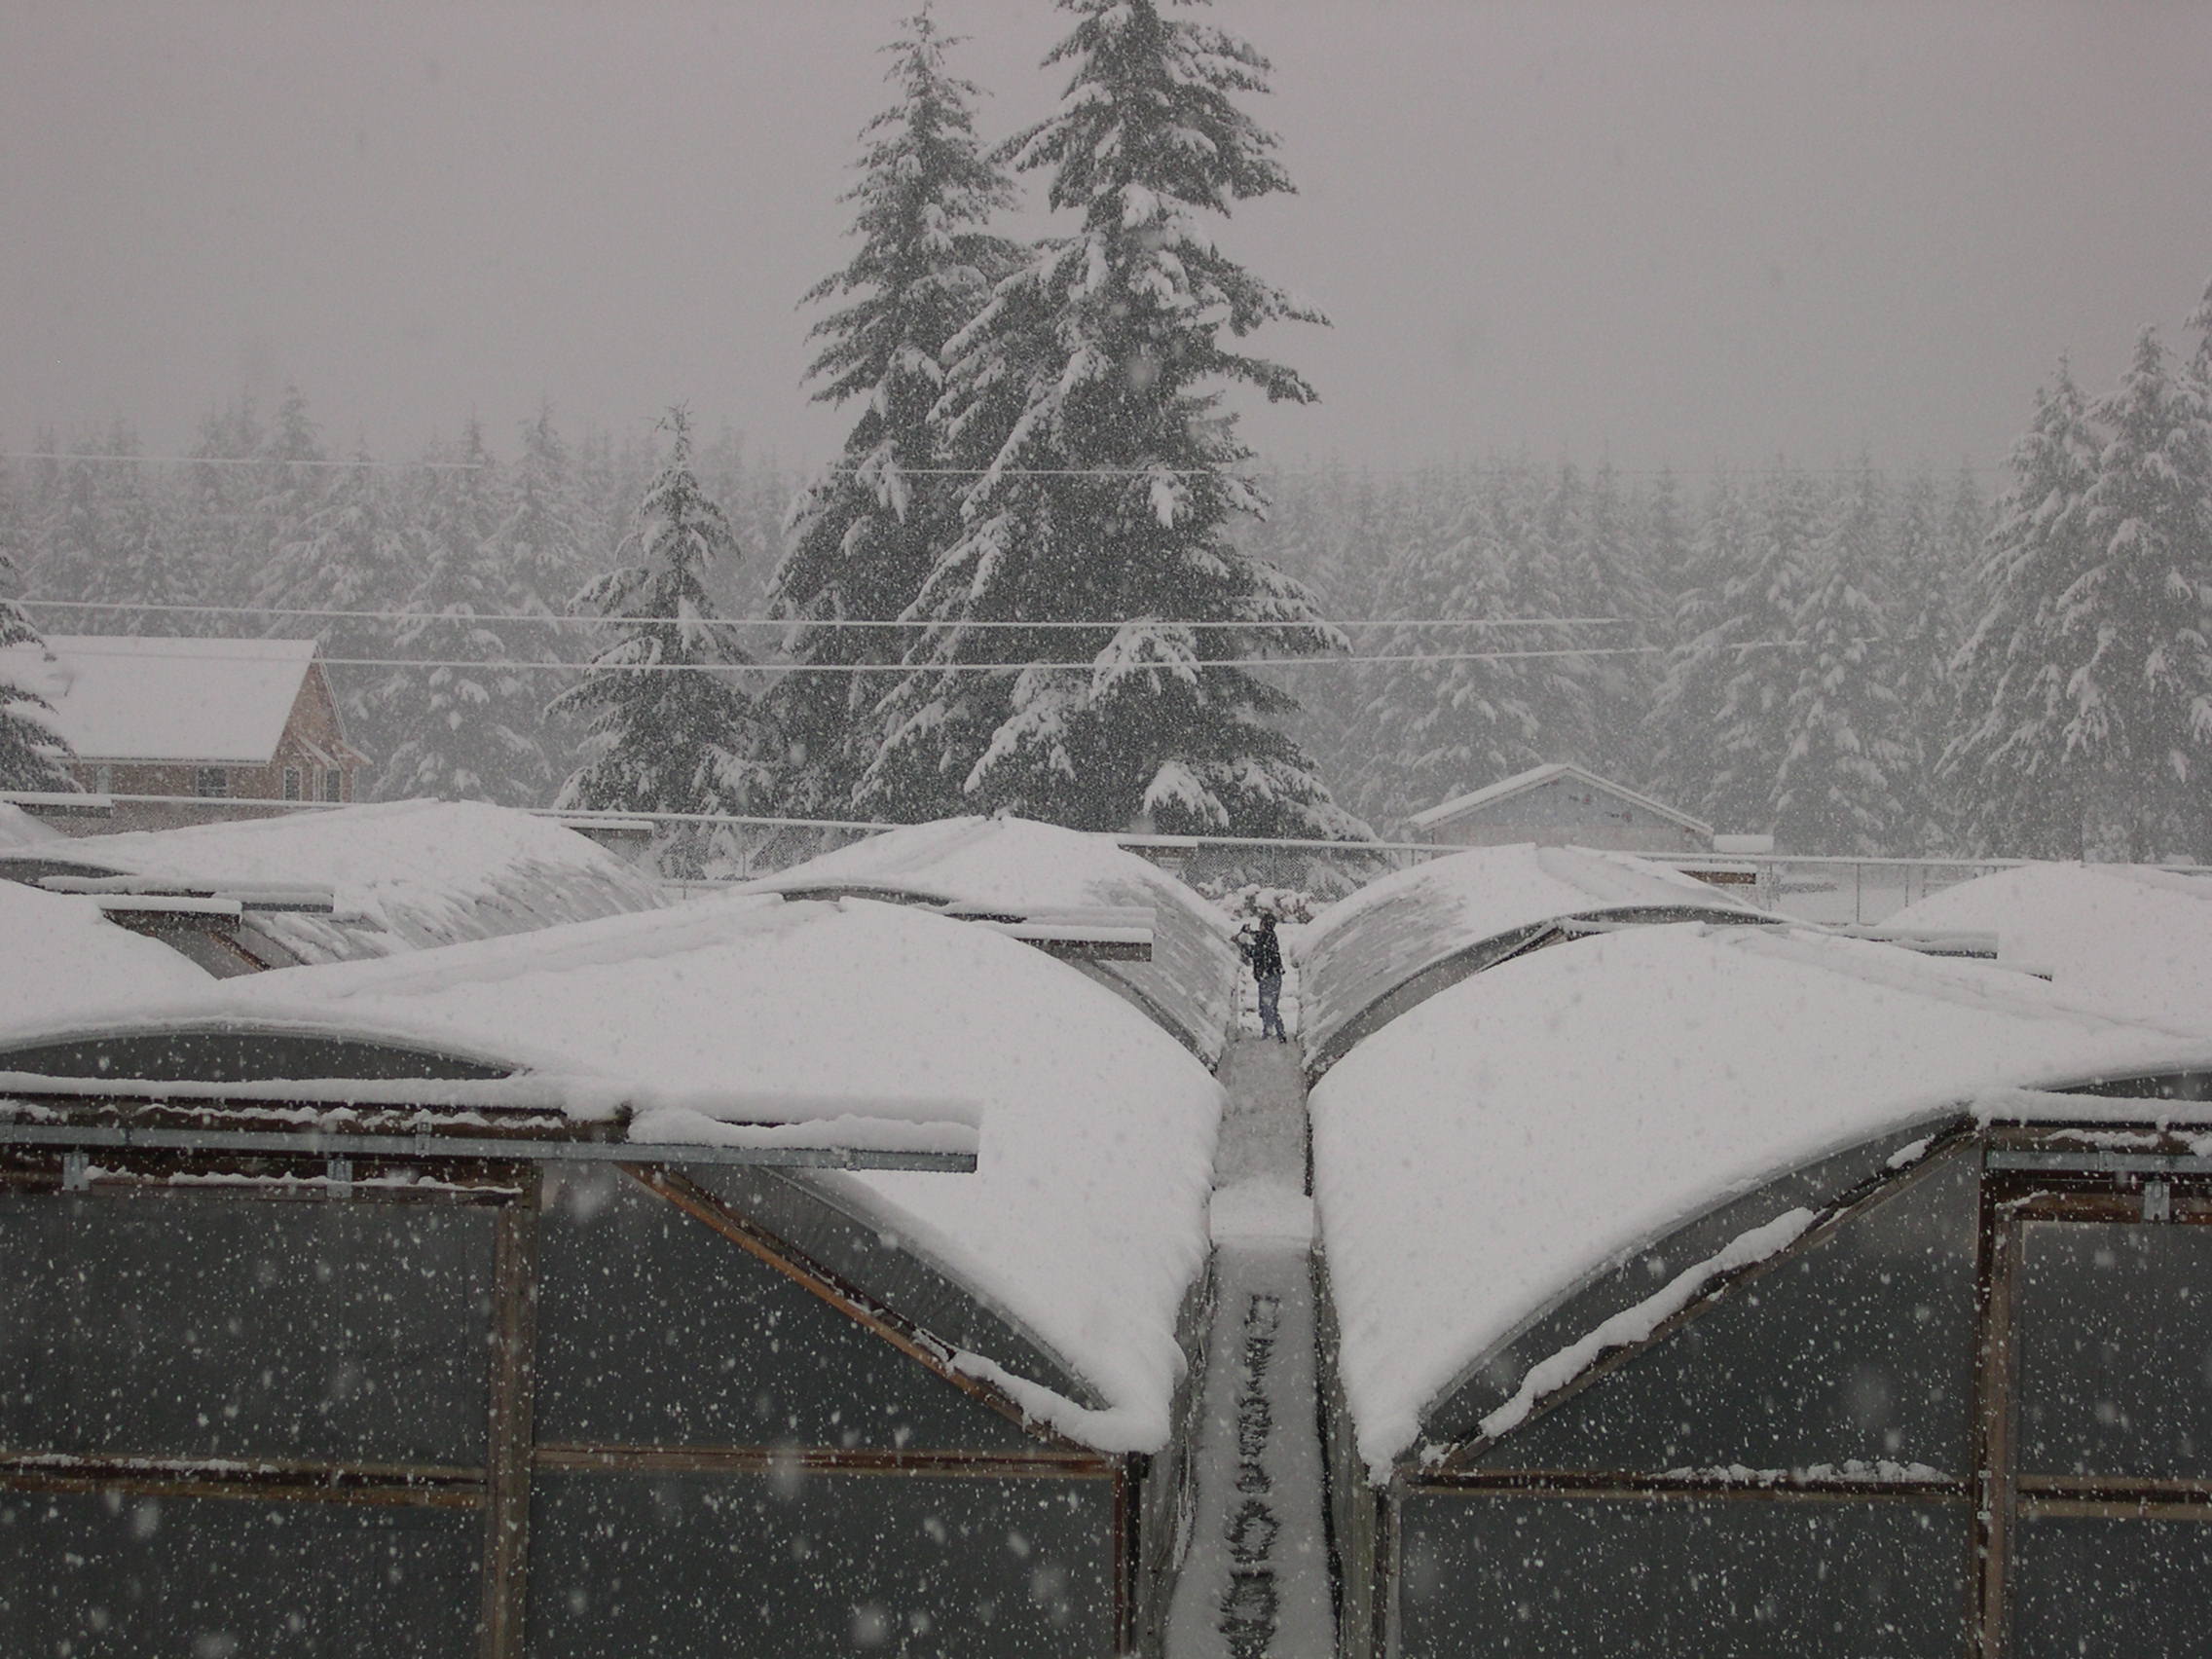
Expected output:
(1256, 1579)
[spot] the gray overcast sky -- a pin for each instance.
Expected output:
(1672, 229)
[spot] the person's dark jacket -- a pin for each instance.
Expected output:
(1263, 952)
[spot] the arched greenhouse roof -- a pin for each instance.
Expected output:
(370, 880)
(1389, 946)
(2133, 940)
(1528, 1132)
(1084, 1222)
(1016, 863)
(58, 955)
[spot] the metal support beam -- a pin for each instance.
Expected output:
(514, 1387)
(330, 1143)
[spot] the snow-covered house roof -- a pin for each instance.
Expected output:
(1517, 1140)
(1521, 782)
(397, 877)
(751, 1019)
(2133, 940)
(59, 957)
(1017, 865)
(1397, 942)
(127, 698)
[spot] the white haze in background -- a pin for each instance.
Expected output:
(1672, 229)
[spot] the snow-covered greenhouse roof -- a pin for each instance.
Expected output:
(363, 881)
(1016, 864)
(2132, 941)
(1487, 1168)
(756, 1020)
(19, 829)
(59, 957)
(1389, 946)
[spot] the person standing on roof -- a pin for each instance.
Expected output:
(1263, 954)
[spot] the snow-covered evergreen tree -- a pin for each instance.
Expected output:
(1602, 574)
(1837, 787)
(1684, 729)
(136, 562)
(668, 730)
(32, 751)
(1760, 601)
(2021, 788)
(462, 733)
(2140, 703)
(1920, 614)
(866, 533)
(1447, 727)
(1087, 390)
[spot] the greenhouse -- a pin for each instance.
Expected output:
(1740, 1291)
(671, 1283)
(341, 885)
(1014, 867)
(1395, 942)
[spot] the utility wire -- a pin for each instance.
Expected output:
(498, 665)
(361, 462)
(549, 619)
(1258, 475)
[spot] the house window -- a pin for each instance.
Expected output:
(210, 783)
(291, 783)
(334, 784)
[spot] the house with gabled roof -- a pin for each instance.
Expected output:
(215, 719)
(1561, 805)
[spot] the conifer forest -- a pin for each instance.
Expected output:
(1046, 575)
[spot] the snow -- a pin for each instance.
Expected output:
(128, 698)
(1521, 782)
(1086, 1219)
(60, 956)
(1369, 943)
(19, 830)
(400, 877)
(1016, 864)
(1497, 1146)
(2133, 940)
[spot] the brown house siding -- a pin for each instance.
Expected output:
(313, 725)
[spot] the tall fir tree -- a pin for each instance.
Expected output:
(356, 549)
(668, 730)
(32, 751)
(1762, 600)
(866, 533)
(1684, 727)
(2140, 702)
(462, 732)
(2021, 788)
(1089, 394)
(1921, 612)
(1838, 786)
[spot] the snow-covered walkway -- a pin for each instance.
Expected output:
(1256, 1585)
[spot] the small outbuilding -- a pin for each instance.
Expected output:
(1701, 1291)
(1561, 805)
(763, 1276)
(1012, 870)
(1397, 941)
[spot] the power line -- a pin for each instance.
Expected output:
(359, 462)
(1318, 470)
(497, 665)
(545, 618)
